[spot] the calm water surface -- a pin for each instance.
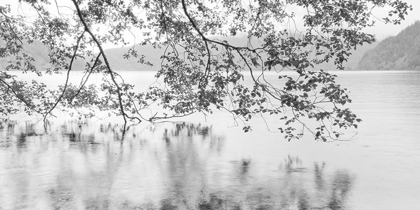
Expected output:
(208, 163)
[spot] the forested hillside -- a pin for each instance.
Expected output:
(401, 52)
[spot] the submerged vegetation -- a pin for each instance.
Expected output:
(200, 70)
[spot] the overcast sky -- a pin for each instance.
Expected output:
(380, 30)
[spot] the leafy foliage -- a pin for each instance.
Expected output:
(201, 70)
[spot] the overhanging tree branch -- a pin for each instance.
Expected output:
(67, 78)
(111, 73)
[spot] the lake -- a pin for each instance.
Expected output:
(209, 163)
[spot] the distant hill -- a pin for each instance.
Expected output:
(40, 54)
(401, 52)
(115, 56)
(36, 49)
(118, 62)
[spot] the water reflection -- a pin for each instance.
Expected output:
(162, 166)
